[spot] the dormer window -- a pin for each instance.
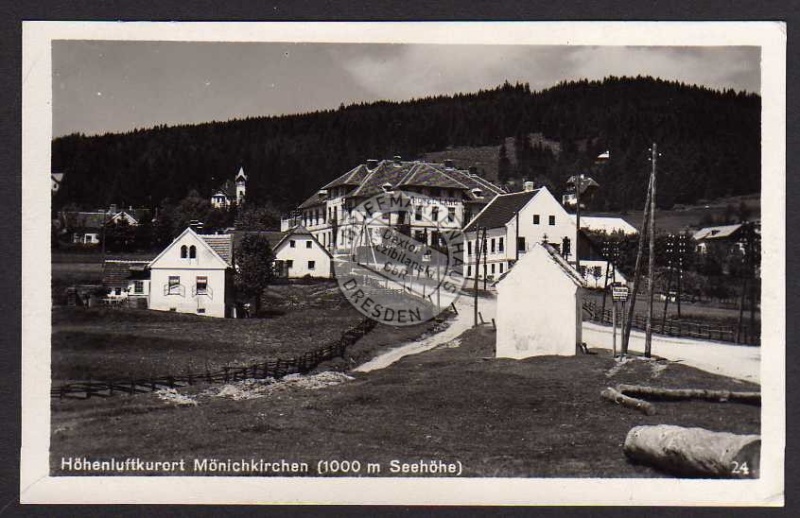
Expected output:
(477, 192)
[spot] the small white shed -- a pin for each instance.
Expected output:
(539, 306)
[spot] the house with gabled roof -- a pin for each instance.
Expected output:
(514, 223)
(126, 281)
(298, 253)
(447, 198)
(194, 274)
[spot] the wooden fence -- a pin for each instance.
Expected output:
(276, 368)
(668, 327)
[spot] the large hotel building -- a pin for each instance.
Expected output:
(449, 198)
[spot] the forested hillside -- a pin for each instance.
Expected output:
(709, 141)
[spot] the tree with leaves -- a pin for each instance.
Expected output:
(254, 268)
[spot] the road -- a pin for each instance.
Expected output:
(734, 361)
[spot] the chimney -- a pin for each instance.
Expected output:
(397, 159)
(372, 164)
(449, 164)
(113, 208)
(528, 186)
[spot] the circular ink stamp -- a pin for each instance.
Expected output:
(400, 259)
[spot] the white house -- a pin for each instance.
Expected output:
(127, 282)
(194, 274)
(539, 306)
(230, 192)
(300, 254)
(595, 265)
(514, 223)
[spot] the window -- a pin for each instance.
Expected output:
(312, 265)
(138, 286)
(202, 285)
(385, 216)
(291, 243)
(289, 264)
(469, 271)
(192, 252)
(501, 267)
(308, 244)
(552, 220)
(521, 244)
(491, 245)
(418, 213)
(597, 272)
(184, 253)
(500, 247)
(174, 285)
(201, 310)
(451, 214)
(535, 219)
(469, 247)
(492, 268)
(435, 213)
(118, 291)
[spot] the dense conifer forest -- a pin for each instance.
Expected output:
(709, 142)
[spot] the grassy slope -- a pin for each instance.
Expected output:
(536, 417)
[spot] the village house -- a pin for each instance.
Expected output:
(298, 253)
(448, 198)
(231, 192)
(86, 227)
(515, 222)
(126, 282)
(194, 274)
(724, 238)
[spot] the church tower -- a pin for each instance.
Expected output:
(241, 188)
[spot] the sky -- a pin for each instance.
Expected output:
(116, 86)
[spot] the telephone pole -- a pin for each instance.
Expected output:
(648, 337)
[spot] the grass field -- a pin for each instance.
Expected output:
(539, 417)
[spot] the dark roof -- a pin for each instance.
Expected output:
(313, 201)
(118, 272)
(273, 236)
(222, 244)
(501, 209)
(228, 189)
(352, 177)
(85, 220)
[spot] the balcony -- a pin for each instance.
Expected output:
(203, 292)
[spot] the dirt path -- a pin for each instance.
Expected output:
(458, 325)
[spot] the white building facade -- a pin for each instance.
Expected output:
(194, 274)
(514, 223)
(539, 306)
(443, 197)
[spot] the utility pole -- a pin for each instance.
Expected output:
(648, 338)
(637, 272)
(578, 182)
(484, 259)
(477, 265)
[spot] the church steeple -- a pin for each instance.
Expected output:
(241, 187)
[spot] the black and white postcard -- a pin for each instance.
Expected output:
(404, 263)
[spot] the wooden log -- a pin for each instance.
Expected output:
(695, 452)
(621, 399)
(643, 391)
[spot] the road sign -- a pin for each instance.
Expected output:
(619, 293)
